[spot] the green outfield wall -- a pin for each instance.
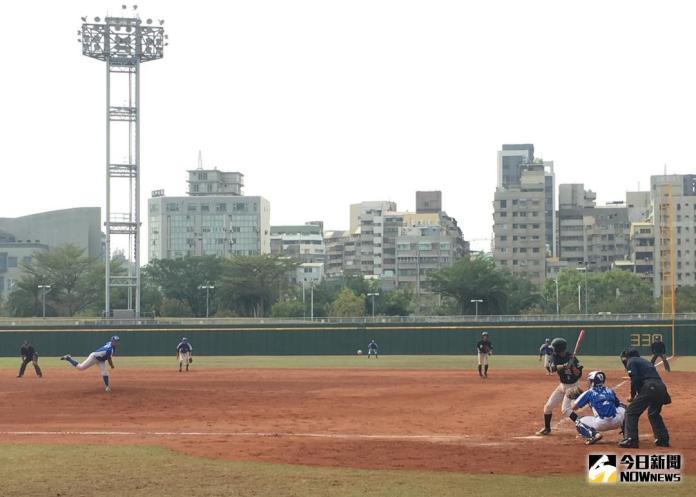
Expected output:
(602, 338)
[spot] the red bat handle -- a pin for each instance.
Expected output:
(577, 344)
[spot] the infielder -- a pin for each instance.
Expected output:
(29, 354)
(608, 411)
(484, 348)
(569, 372)
(184, 352)
(545, 352)
(100, 356)
(658, 350)
(372, 348)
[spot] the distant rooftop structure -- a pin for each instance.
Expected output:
(203, 182)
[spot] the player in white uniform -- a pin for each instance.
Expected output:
(608, 411)
(99, 357)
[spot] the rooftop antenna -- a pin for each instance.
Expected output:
(200, 160)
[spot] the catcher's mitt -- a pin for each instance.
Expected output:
(190, 360)
(574, 393)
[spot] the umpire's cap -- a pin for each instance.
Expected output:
(559, 345)
(629, 352)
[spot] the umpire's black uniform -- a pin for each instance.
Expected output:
(29, 354)
(647, 392)
(659, 351)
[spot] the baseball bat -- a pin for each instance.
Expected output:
(577, 344)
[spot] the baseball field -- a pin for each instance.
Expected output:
(329, 426)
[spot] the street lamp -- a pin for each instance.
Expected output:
(373, 295)
(476, 302)
(558, 306)
(44, 289)
(207, 287)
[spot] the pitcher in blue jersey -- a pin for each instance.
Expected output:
(100, 356)
(608, 413)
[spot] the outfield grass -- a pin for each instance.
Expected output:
(384, 362)
(87, 470)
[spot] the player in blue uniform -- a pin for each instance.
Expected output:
(184, 352)
(99, 357)
(372, 348)
(608, 411)
(546, 352)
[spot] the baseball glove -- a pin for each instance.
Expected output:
(190, 360)
(574, 393)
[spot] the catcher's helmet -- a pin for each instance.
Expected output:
(596, 378)
(559, 345)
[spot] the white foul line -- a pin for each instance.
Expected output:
(347, 436)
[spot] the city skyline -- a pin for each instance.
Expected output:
(334, 104)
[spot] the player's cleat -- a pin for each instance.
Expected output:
(628, 443)
(661, 442)
(593, 440)
(107, 389)
(544, 431)
(65, 357)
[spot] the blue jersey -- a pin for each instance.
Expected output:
(372, 345)
(104, 353)
(602, 400)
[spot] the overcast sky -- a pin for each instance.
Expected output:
(325, 103)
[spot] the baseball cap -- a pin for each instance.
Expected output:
(115, 338)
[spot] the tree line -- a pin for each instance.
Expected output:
(260, 286)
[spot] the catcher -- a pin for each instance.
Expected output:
(608, 412)
(184, 352)
(569, 372)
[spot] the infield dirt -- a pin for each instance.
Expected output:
(376, 419)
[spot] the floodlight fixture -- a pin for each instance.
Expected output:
(123, 51)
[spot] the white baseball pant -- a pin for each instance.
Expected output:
(558, 396)
(91, 361)
(605, 424)
(184, 357)
(483, 358)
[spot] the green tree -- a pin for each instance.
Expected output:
(179, 279)
(287, 309)
(614, 291)
(347, 304)
(394, 303)
(473, 278)
(252, 284)
(686, 299)
(73, 277)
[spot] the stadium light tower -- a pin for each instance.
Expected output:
(123, 42)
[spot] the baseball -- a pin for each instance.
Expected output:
(359, 352)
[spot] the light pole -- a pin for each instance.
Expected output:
(579, 303)
(558, 306)
(44, 289)
(476, 302)
(311, 301)
(207, 287)
(373, 295)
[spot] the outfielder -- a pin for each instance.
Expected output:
(184, 352)
(372, 348)
(608, 411)
(100, 356)
(545, 352)
(484, 348)
(569, 372)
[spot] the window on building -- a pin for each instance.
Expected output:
(172, 207)
(221, 207)
(11, 261)
(503, 204)
(205, 208)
